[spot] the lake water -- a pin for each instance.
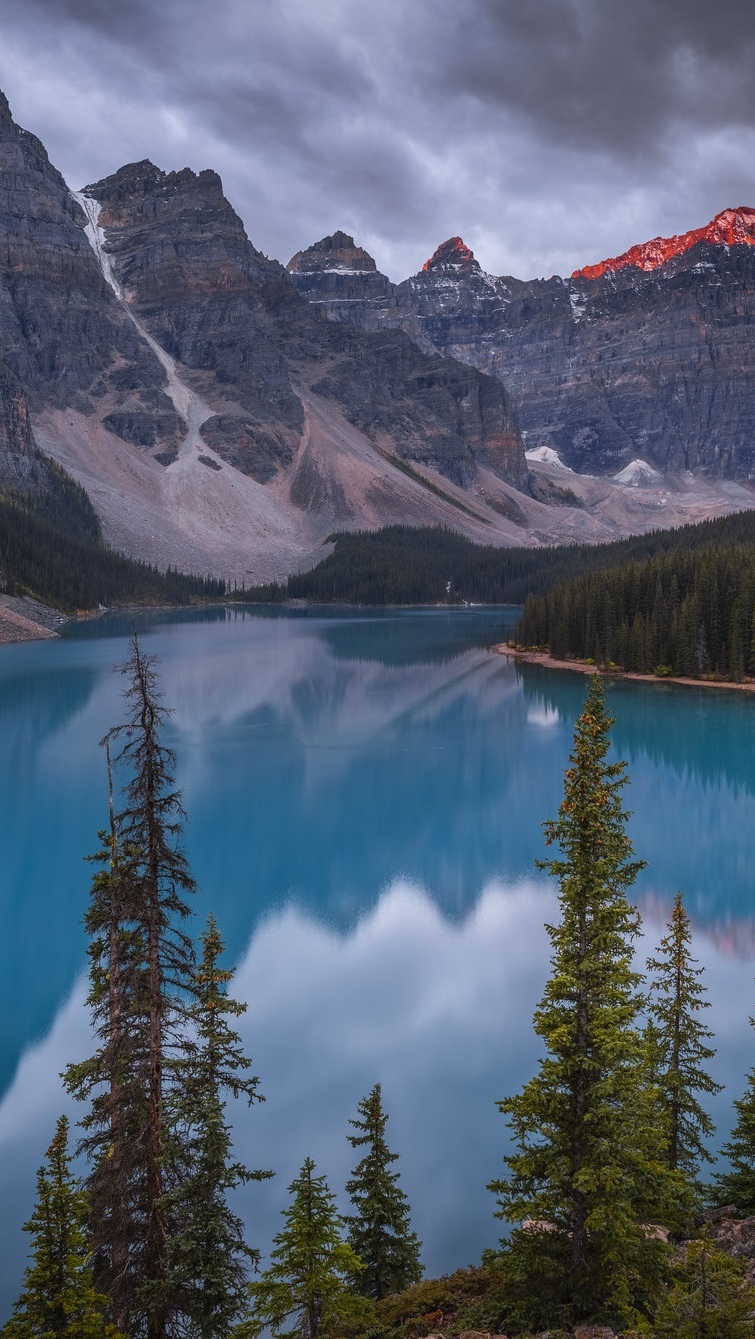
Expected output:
(365, 794)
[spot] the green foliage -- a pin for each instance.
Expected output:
(141, 975)
(708, 1298)
(687, 611)
(380, 1230)
(51, 548)
(737, 1185)
(471, 1298)
(59, 1300)
(681, 1051)
(588, 1173)
(208, 1258)
(305, 1290)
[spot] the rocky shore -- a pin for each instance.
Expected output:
(583, 667)
(25, 620)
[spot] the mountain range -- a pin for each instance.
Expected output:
(226, 414)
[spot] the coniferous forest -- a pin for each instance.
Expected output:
(429, 565)
(686, 613)
(606, 1216)
(51, 548)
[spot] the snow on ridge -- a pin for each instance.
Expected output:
(96, 236)
(545, 455)
(637, 473)
(578, 303)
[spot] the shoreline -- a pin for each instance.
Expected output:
(548, 661)
(25, 620)
(40, 622)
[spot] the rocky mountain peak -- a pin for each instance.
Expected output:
(5, 111)
(337, 252)
(732, 227)
(144, 179)
(171, 232)
(453, 254)
(131, 179)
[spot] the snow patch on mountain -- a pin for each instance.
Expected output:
(638, 474)
(96, 238)
(545, 455)
(577, 302)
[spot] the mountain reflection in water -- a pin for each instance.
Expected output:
(365, 796)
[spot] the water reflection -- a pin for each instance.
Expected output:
(691, 761)
(439, 1011)
(365, 797)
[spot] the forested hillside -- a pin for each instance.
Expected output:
(688, 612)
(51, 548)
(406, 565)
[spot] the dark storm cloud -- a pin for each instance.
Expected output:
(608, 75)
(548, 134)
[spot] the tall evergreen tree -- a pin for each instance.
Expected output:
(380, 1230)
(305, 1290)
(675, 1001)
(208, 1258)
(142, 972)
(587, 1174)
(737, 1184)
(59, 1300)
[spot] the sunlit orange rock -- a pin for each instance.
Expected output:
(452, 252)
(732, 227)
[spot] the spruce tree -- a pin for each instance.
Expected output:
(59, 1300)
(208, 1258)
(737, 1185)
(675, 1001)
(587, 1176)
(141, 977)
(305, 1290)
(380, 1230)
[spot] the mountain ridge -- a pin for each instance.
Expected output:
(220, 419)
(653, 361)
(730, 227)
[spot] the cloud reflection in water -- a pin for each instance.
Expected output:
(438, 1010)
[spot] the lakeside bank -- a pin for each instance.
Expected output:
(548, 661)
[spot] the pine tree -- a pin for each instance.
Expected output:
(305, 1290)
(208, 1258)
(737, 1185)
(167, 1250)
(587, 1176)
(59, 1300)
(675, 1001)
(141, 973)
(380, 1230)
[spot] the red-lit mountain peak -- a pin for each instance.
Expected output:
(451, 253)
(732, 227)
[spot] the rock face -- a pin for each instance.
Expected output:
(732, 227)
(148, 336)
(217, 306)
(338, 272)
(649, 355)
(60, 332)
(20, 466)
(225, 416)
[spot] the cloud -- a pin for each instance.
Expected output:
(438, 1011)
(548, 135)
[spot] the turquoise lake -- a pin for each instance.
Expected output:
(365, 795)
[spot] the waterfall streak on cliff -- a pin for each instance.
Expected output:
(185, 401)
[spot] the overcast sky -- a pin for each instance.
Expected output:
(549, 134)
